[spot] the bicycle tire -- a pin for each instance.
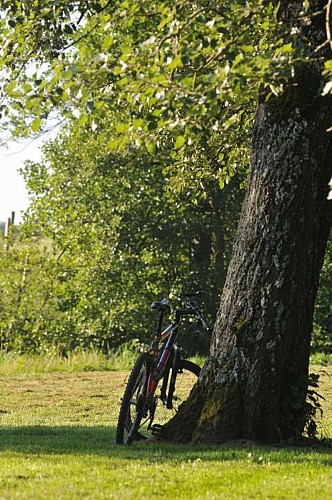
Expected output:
(184, 364)
(136, 385)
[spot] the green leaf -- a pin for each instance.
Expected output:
(122, 127)
(83, 119)
(68, 28)
(180, 140)
(167, 19)
(328, 64)
(176, 62)
(35, 125)
(67, 75)
(10, 88)
(284, 49)
(327, 88)
(107, 42)
(26, 87)
(138, 123)
(151, 147)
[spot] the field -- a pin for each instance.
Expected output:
(57, 441)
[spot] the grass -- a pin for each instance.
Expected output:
(57, 432)
(77, 361)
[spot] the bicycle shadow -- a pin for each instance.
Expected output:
(100, 441)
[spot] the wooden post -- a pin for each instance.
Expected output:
(7, 226)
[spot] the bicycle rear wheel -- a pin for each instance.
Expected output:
(131, 411)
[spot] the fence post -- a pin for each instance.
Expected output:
(7, 226)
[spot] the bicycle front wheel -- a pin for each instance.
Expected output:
(131, 411)
(180, 383)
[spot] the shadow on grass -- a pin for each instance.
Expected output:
(100, 440)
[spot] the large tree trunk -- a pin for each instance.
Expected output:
(254, 382)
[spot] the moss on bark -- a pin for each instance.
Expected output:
(181, 428)
(220, 418)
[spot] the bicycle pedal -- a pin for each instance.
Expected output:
(157, 429)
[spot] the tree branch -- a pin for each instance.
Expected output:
(328, 40)
(181, 28)
(327, 22)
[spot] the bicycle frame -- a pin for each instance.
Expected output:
(160, 359)
(158, 370)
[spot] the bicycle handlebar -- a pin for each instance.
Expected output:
(192, 310)
(190, 294)
(187, 312)
(189, 309)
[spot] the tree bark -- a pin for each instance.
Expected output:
(254, 382)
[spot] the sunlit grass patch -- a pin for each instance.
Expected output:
(57, 440)
(76, 361)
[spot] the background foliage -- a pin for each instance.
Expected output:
(115, 240)
(139, 195)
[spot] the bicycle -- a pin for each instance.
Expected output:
(139, 412)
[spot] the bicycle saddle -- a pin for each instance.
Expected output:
(163, 305)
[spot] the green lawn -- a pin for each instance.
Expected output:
(57, 441)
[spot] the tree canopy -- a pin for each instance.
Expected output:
(180, 73)
(156, 102)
